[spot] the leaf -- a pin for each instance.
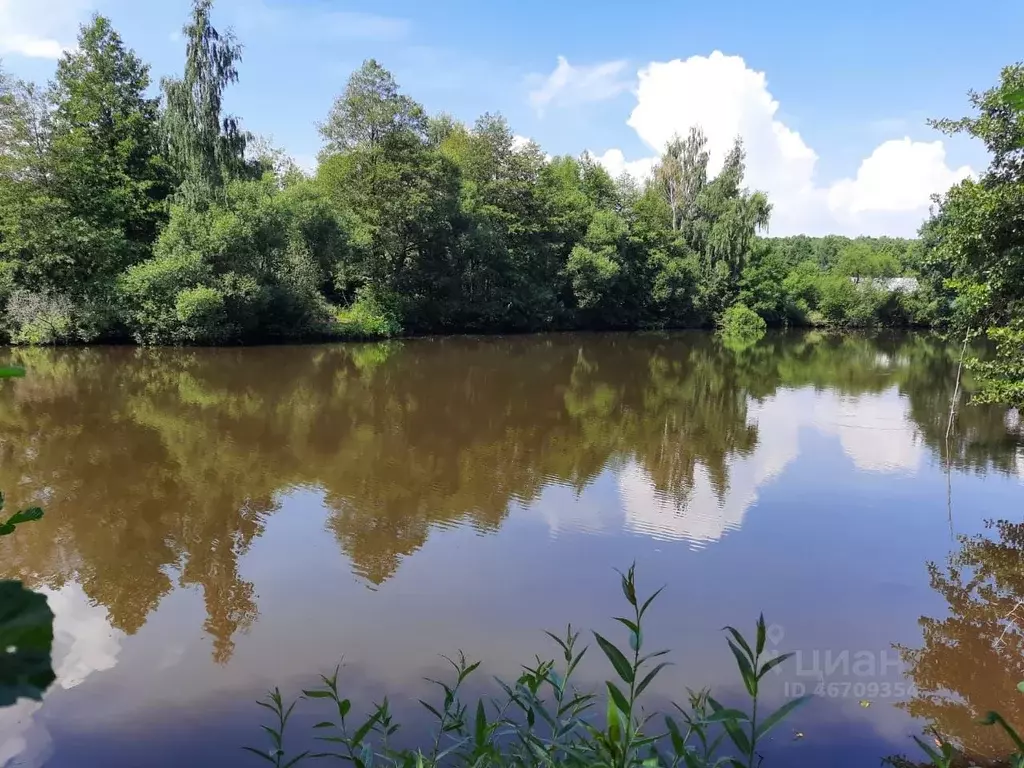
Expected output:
(746, 670)
(364, 729)
(630, 625)
(11, 372)
(771, 664)
(26, 625)
(315, 694)
(761, 634)
(617, 696)
(344, 707)
(649, 600)
(324, 724)
(739, 639)
(25, 516)
(650, 676)
(772, 719)
(262, 754)
(6, 529)
(721, 715)
(431, 709)
(737, 736)
(678, 744)
(622, 667)
(613, 720)
(1020, 686)
(296, 759)
(481, 723)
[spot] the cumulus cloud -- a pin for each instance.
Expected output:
(889, 194)
(569, 85)
(42, 29)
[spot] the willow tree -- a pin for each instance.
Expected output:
(682, 174)
(206, 148)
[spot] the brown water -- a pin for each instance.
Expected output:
(222, 521)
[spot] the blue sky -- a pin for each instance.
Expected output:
(830, 98)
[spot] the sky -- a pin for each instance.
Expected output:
(831, 99)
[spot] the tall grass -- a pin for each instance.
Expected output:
(543, 719)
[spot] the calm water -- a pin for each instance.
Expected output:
(221, 521)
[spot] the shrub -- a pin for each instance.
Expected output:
(739, 320)
(248, 268)
(367, 318)
(50, 318)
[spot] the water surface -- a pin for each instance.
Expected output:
(219, 521)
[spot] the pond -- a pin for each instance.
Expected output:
(221, 521)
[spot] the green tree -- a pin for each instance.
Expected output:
(104, 154)
(977, 245)
(370, 112)
(206, 147)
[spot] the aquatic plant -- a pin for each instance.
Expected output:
(543, 719)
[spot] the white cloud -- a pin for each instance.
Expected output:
(569, 85)
(616, 164)
(83, 643)
(889, 194)
(40, 29)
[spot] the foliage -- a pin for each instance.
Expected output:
(975, 256)
(367, 318)
(543, 719)
(205, 147)
(742, 325)
(115, 208)
(242, 269)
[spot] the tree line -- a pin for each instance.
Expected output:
(162, 220)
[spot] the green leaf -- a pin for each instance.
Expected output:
(761, 634)
(1020, 686)
(6, 529)
(721, 715)
(650, 676)
(316, 694)
(481, 723)
(261, 753)
(772, 663)
(614, 721)
(739, 639)
(746, 671)
(11, 372)
(296, 759)
(360, 734)
(617, 696)
(630, 625)
(736, 735)
(344, 707)
(649, 600)
(26, 516)
(324, 724)
(26, 626)
(678, 744)
(618, 660)
(773, 719)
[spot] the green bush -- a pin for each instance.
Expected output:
(367, 318)
(739, 320)
(249, 268)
